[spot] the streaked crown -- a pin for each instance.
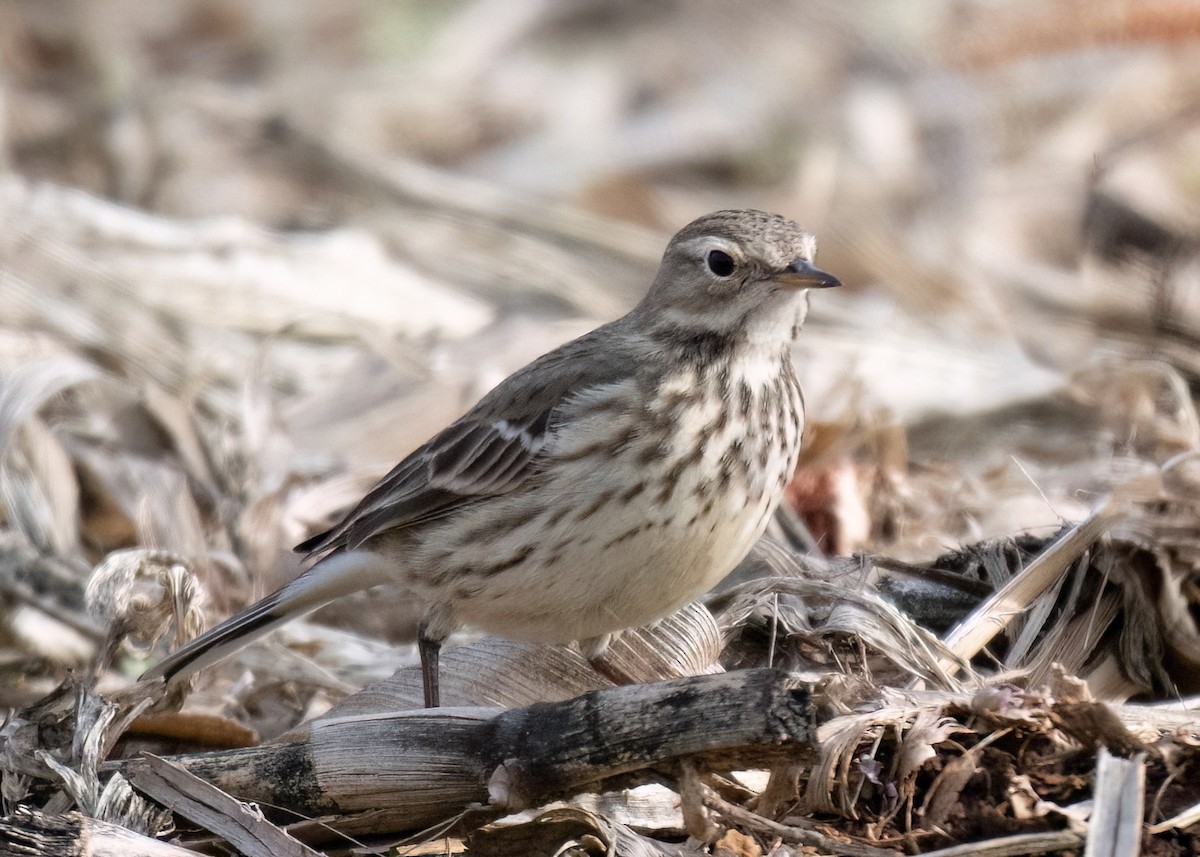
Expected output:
(771, 239)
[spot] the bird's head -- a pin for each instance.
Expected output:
(741, 273)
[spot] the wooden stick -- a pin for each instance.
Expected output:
(407, 769)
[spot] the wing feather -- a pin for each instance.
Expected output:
(492, 450)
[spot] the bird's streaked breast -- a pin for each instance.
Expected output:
(657, 494)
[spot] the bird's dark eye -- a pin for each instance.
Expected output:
(720, 263)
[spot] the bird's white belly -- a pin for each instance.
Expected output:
(625, 566)
(632, 535)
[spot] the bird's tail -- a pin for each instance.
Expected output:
(336, 575)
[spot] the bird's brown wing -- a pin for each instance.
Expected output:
(491, 450)
(472, 459)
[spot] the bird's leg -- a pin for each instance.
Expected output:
(428, 646)
(596, 650)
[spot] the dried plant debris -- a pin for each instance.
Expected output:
(892, 765)
(251, 257)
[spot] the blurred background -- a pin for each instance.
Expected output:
(253, 253)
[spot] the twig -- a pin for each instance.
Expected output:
(183, 792)
(1187, 818)
(1013, 846)
(797, 835)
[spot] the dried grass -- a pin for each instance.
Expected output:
(226, 309)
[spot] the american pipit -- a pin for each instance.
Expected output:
(604, 485)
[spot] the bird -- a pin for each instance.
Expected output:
(602, 486)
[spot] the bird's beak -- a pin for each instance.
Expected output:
(802, 274)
